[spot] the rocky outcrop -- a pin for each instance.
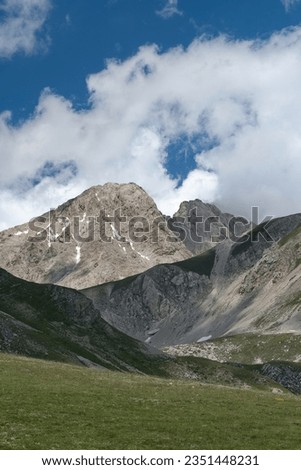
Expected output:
(202, 225)
(289, 376)
(157, 306)
(251, 247)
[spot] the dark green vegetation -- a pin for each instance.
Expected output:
(48, 405)
(258, 233)
(212, 372)
(248, 359)
(294, 233)
(276, 357)
(52, 322)
(282, 230)
(59, 324)
(201, 264)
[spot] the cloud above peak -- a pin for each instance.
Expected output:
(239, 102)
(21, 24)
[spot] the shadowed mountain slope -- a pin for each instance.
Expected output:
(253, 285)
(52, 322)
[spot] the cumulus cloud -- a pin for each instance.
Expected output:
(170, 9)
(21, 23)
(238, 101)
(289, 3)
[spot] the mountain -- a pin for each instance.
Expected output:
(107, 233)
(56, 323)
(203, 225)
(60, 324)
(113, 244)
(252, 285)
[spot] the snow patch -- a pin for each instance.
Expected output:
(18, 234)
(84, 217)
(138, 252)
(204, 338)
(58, 235)
(51, 236)
(153, 332)
(78, 254)
(116, 235)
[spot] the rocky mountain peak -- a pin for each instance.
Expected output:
(108, 196)
(106, 233)
(205, 225)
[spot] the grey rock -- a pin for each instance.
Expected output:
(205, 225)
(232, 288)
(83, 257)
(289, 376)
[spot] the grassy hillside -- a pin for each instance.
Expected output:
(52, 322)
(59, 406)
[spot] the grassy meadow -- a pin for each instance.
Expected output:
(49, 405)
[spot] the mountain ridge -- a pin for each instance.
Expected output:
(212, 294)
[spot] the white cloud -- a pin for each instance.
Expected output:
(241, 100)
(170, 9)
(289, 3)
(21, 23)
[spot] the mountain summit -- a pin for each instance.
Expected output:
(107, 233)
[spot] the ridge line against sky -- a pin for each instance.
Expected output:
(216, 119)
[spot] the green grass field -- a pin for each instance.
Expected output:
(47, 405)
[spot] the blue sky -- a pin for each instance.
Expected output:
(81, 35)
(58, 87)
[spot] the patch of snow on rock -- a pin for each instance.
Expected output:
(204, 338)
(78, 254)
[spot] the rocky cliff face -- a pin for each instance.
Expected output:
(107, 233)
(235, 287)
(157, 305)
(204, 225)
(285, 374)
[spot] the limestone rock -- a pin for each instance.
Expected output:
(107, 233)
